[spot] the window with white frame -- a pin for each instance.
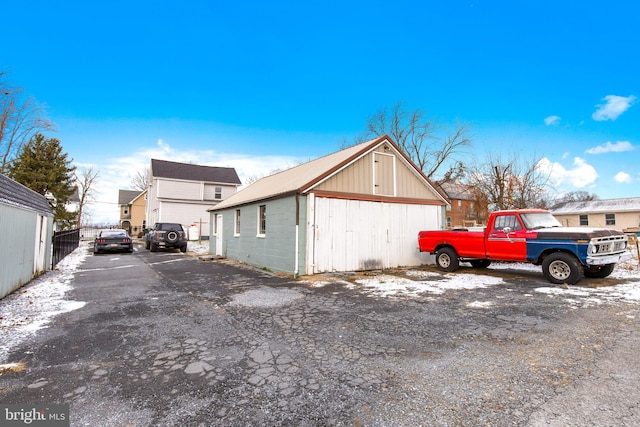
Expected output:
(262, 220)
(218, 193)
(236, 223)
(584, 220)
(610, 219)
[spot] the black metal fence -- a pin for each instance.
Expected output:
(64, 242)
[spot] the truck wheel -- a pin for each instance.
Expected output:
(146, 244)
(598, 271)
(480, 263)
(447, 259)
(561, 267)
(183, 248)
(153, 247)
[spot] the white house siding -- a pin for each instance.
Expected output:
(350, 235)
(276, 250)
(25, 250)
(179, 190)
(186, 213)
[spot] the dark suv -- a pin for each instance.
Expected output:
(166, 235)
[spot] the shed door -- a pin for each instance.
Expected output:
(41, 244)
(350, 235)
(384, 174)
(219, 234)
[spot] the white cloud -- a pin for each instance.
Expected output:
(581, 175)
(623, 178)
(608, 147)
(615, 105)
(552, 120)
(116, 173)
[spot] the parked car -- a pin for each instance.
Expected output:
(166, 235)
(115, 240)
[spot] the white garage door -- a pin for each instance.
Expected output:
(349, 235)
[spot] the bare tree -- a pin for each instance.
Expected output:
(510, 183)
(20, 119)
(430, 146)
(86, 191)
(140, 180)
(577, 196)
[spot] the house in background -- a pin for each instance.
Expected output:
(357, 209)
(618, 214)
(463, 210)
(133, 208)
(26, 226)
(182, 192)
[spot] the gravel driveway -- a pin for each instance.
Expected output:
(167, 339)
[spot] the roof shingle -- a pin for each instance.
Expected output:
(631, 204)
(189, 172)
(125, 197)
(15, 194)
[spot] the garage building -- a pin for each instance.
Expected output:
(357, 209)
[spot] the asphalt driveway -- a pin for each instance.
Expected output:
(166, 339)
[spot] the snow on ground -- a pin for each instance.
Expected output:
(425, 283)
(420, 282)
(31, 307)
(198, 247)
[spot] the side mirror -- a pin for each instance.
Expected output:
(507, 230)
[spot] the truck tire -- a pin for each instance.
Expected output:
(480, 263)
(598, 271)
(153, 247)
(146, 244)
(447, 259)
(562, 268)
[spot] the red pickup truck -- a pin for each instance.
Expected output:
(531, 235)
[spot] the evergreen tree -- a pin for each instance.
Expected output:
(44, 168)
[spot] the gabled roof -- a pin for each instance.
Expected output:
(126, 197)
(631, 204)
(13, 193)
(302, 178)
(189, 172)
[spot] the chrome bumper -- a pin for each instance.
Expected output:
(608, 259)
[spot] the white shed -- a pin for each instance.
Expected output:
(26, 227)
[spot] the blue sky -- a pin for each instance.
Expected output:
(264, 85)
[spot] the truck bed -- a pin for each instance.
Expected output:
(468, 243)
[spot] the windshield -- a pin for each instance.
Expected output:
(537, 220)
(113, 233)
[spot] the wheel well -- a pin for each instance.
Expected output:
(548, 252)
(444, 245)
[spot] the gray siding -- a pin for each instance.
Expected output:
(276, 250)
(18, 247)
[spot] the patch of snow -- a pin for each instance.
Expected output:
(199, 248)
(32, 307)
(394, 286)
(480, 304)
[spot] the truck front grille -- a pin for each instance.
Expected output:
(607, 245)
